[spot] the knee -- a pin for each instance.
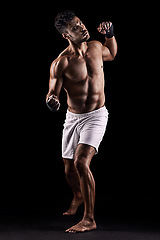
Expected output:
(80, 164)
(69, 173)
(68, 170)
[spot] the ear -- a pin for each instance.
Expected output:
(65, 35)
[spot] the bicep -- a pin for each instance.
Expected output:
(106, 54)
(56, 77)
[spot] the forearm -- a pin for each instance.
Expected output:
(111, 44)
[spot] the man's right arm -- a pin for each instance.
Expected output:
(55, 83)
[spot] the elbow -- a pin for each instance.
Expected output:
(113, 56)
(114, 53)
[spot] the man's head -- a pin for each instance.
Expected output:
(71, 27)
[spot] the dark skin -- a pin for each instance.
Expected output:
(79, 70)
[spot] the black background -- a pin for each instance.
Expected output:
(126, 167)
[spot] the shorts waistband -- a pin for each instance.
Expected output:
(94, 112)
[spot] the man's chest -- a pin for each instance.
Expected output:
(79, 68)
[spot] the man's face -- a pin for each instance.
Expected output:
(77, 31)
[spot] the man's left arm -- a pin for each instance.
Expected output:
(109, 48)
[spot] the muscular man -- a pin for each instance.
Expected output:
(79, 70)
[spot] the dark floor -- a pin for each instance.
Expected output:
(48, 224)
(54, 229)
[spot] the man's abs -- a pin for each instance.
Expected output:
(86, 95)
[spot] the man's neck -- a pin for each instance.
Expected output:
(78, 48)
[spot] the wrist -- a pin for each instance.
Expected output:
(109, 35)
(109, 31)
(52, 96)
(109, 38)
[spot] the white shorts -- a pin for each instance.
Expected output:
(87, 128)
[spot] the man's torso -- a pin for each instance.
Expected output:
(83, 79)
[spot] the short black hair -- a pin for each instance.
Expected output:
(62, 20)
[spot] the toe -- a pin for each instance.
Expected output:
(65, 213)
(70, 230)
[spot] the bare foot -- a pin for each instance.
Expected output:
(82, 226)
(74, 206)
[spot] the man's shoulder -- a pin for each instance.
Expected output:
(95, 43)
(59, 64)
(61, 60)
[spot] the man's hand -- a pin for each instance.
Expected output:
(107, 29)
(53, 103)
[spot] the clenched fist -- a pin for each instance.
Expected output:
(107, 29)
(53, 103)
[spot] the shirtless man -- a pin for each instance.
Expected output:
(79, 70)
